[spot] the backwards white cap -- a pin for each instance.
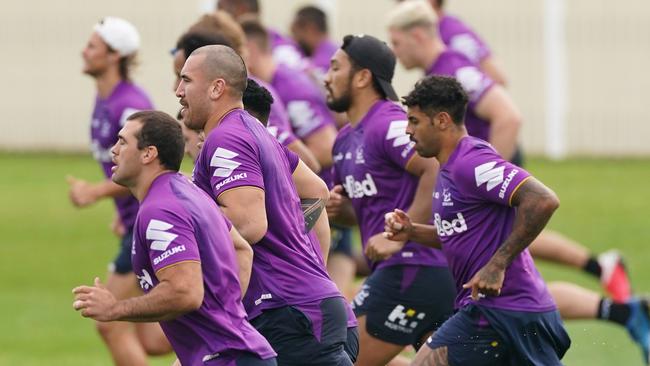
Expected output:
(119, 34)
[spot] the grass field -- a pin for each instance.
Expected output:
(48, 247)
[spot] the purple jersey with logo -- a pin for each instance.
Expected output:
(475, 83)
(109, 115)
(461, 38)
(278, 124)
(370, 163)
(305, 105)
(473, 217)
(286, 268)
(177, 223)
(286, 51)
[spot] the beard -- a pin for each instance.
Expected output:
(340, 104)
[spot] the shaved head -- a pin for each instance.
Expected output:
(222, 62)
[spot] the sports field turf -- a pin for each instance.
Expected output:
(48, 247)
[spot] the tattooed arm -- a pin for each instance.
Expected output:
(535, 204)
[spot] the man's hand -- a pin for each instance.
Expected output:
(379, 248)
(81, 193)
(336, 202)
(398, 225)
(95, 302)
(488, 281)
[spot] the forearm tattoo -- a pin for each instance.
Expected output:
(533, 212)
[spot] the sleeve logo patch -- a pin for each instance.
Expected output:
(222, 160)
(157, 231)
(487, 173)
(397, 131)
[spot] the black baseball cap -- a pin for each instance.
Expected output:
(374, 55)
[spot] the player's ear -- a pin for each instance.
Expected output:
(150, 153)
(443, 120)
(363, 78)
(217, 88)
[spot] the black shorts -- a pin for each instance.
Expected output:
(402, 304)
(292, 334)
(122, 262)
(351, 346)
(341, 240)
(248, 359)
(484, 336)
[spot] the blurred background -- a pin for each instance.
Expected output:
(576, 69)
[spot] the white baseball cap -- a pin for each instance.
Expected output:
(119, 34)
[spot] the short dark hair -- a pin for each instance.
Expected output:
(224, 62)
(257, 101)
(312, 15)
(435, 94)
(255, 31)
(193, 40)
(161, 130)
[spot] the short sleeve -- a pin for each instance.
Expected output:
(284, 136)
(292, 158)
(169, 238)
(471, 45)
(308, 116)
(395, 143)
(483, 174)
(474, 82)
(232, 162)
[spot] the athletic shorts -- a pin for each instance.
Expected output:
(314, 334)
(248, 359)
(402, 304)
(232, 357)
(484, 336)
(341, 240)
(122, 262)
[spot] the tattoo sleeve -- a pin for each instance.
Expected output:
(535, 204)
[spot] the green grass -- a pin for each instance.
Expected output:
(48, 247)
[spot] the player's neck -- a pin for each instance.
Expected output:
(362, 104)
(217, 116)
(431, 53)
(106, 82)
(450, 143)
(265, 68)
(144, 182)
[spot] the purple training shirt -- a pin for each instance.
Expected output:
(109, 115)
(286, 268)
(474, 81)
(473, 217)
(461, 38)
(370, 162)
(179, 223)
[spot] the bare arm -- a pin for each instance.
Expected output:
(320, 143)
(339, 208)
(491, 67)
(426, 169)
(497, 107)
(179, 291)
(535, 205)
(305, 155)
(398, 229)
(309, 185)
(244, 254)
(245, 208)
(83, 193)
